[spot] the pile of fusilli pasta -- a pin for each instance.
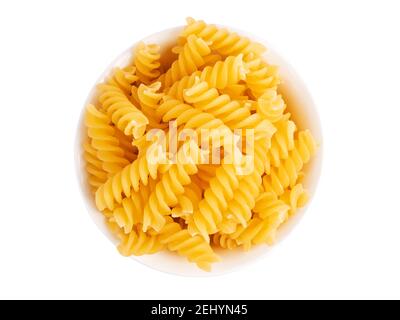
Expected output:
(213, 79)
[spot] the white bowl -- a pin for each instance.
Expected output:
(304, 112)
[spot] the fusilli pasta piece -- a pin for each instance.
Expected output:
(215, 201)
(150, 98)
(139, 243)
(222, 41)
(94, 167)
(170, 186)
(130, 213)
(270, 105)
(127, 179)
(194, 248)
(125, 143)
(124, 79)
(261, 76)
(223, 241)
(147, 61)
(296, 197)
(103, 140)
(189, 60)
(287, 173)
(230, 112)
(244, 199)
(122, 112)
(282, 142)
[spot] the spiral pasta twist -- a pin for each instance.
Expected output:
(139, 243)
(222, 41)
(187, 202)
(270, 105)
(210, 212)
(124, 79)
(191, 118)
(296, 197)
(239, 208)
(194, 248)
(103, 140)
(183, 208)
(225, 73)
(170, 187)
(122, 112)
(127, 179)
(223, 241)
(189, 60)
(259, 230)
(282, 142)
(268, 204)
(221, 75)
(176, 90)
(261, 76)
(94, 167)
(147, 61)
(287, 173)
(150, 98)
(206, 129)
(126, 144)
(130, 213)
(230, 112)
(261, 160)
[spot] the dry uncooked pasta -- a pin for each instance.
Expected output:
(196, 155)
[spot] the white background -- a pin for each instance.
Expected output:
(347, 245)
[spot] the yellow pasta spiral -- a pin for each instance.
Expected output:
(287, 173)
(189, 60)
(183, 208)
(170, 186)
(270, 105)
(261, 159)
(147, 61)
(282, 142)
(127, 179)
(222, 41)
(124, 79)
(221, 75)
(94, 167)
(268, 204)
(230, 112)
(122, 112)
(225, 73)
(209, 215)
(259, 230)
(191, 118)
(296, 197)
(244, 199)
(176, 90)
(125, 143)
(130, 213)
(194, 248)
(187, 202)
(103, 140)
(139, 243)
(149, 98)
(223, 241)
(261, 76)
